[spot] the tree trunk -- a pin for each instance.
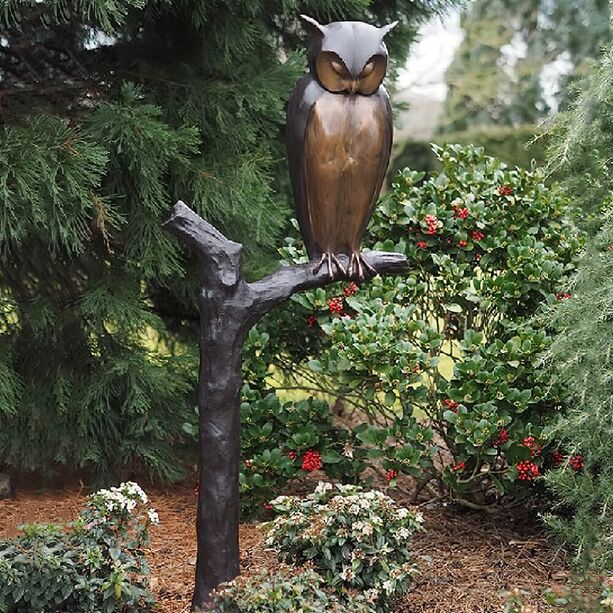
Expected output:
(229, 307)
(219, 402)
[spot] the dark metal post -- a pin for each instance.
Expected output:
(229, 307)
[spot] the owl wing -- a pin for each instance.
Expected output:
(387, 129)
(305, 95)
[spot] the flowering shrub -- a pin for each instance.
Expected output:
(354, 539)
(94, 565)
(288, 589)
(443, 361)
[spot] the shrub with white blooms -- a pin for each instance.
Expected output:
(121, 501)
(95, 564)
(124, 509)
(355, 539)
(284, 590)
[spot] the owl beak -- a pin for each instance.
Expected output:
(354, 87)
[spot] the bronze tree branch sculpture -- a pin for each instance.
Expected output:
(229, 307)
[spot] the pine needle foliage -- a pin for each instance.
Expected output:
(110, 111)
(582, 143)
(581, 356)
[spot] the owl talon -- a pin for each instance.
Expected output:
(358, 263)
(331, 260)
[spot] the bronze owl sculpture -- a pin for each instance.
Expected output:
(339, 138)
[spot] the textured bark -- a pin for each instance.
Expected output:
(229, 307)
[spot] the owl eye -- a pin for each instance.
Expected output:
(337, 67)
(368, 69)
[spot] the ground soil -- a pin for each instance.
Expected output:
(468, 561)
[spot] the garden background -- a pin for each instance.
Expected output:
(477, 386)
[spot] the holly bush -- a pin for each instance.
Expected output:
(283, 441)
(443, 362)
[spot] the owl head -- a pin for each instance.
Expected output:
(348, 56)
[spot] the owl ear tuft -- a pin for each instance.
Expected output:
(388, 28)
(312, 26)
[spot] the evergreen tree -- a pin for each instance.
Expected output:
(110, 111)
(581, 357)
(508, 47)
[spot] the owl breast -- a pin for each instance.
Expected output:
(347, 145)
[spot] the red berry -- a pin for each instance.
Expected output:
(432, 223)
(351, 289)
(533, 445)
(477, 257)
(478, 235)
(391, 474)
(462, 243)
(557, 457)
(576, 462)
(292, 455)
(335, 305)
(312, 460)
(458, 467)
(422, 244)
(501, 438)
(563, 296)
(527, 470)
(451, 404)
(311, 320)
(505, 190)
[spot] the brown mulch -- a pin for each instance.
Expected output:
(469, 559)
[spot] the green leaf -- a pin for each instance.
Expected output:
(315, 365)
(454, 307)
(330, 456)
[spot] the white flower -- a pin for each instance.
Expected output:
(347, 574)
(367, 529)
(388, 586)
(358, 554)
(371, 595)
(153, 516)
(403, 533)
(281, 501)
(323, 487)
